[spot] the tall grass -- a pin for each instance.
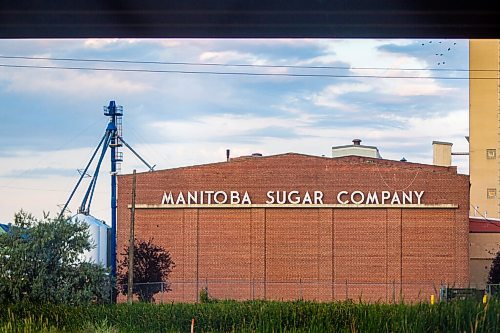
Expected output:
(255, 316)
(25, 324)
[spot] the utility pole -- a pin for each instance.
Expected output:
(131, 245)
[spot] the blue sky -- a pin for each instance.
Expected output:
(51, 119)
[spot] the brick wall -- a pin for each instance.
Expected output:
(311, 253)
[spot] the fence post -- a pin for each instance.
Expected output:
(300, 289)
(333, 290)
(253, 289)
(393, 291)
(346, 292)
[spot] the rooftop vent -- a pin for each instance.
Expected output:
(355, 149)
(256, 155)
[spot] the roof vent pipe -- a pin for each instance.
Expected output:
(227, 155)
(356, 142)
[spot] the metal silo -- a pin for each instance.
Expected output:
(98, 231)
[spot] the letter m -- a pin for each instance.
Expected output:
(372, 198)
(167, 199)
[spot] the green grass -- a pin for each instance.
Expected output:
(255, 316)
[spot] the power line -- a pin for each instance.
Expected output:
(36, 189)
(245, 73)
(244, 65)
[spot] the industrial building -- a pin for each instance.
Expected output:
(484, 243)
(296, 226)
(484, 162)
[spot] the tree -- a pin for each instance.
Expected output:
(152, 265)
(40, 262)
(494, 276)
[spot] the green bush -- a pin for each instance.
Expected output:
(203, 296)
(40, 262)
(100, 327)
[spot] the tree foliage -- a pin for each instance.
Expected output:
(494, 276)
(40, 262)
(152, 265)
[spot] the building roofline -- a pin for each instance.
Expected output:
(485, 219)
(249, 158)
(442, 143)
(355, 146)
(482, 225)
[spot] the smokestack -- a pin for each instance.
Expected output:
(441, 153)
(227, 155)
(356, 142)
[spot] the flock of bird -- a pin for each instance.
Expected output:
(443, 48)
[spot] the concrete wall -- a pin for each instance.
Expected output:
(484, 126)
(483, 247)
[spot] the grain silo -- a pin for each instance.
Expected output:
(98, 231)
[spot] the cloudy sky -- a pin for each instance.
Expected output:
(187, 101)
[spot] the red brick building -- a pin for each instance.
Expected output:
(295, 226)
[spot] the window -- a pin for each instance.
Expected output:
(491, 154)
(491, 193)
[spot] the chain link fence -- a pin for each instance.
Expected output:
(189, 291)
(493, 290)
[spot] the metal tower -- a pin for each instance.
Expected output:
(115, 114)
(113, 139)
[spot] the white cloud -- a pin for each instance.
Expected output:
(366, 58)
(404, 131)
(329, 96)
(451, 124)
(226, 57)
(100, 43)
(72, 84)
(405, 136)
(416, 87)
(68, 158)
(366, 54)
(225, 125)
(234, 57)
(35, 194)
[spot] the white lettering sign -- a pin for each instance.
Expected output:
(293, 197)
(383, 197)
(339, 197)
